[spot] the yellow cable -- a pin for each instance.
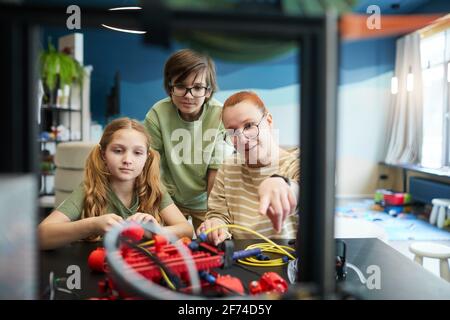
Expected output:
(270, 246)
(166, 278)
(234, 226)
(257, 263)
(147, 243)
(252, 261)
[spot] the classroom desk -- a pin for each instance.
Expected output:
(77, 254)
(401, 278)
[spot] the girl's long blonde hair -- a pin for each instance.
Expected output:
(147, 185)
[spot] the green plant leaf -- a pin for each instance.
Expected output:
(54, 64)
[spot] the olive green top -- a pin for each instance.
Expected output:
(73, 206)
(188, 149)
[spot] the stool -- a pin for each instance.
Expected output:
(432, 250)
(440, 212)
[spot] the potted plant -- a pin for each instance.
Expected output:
(58, 69)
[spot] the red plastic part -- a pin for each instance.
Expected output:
(205, 259)
(160, 242)
(96, 260)
(170, 256)
(135, 233)
(228, 284)
(270, 282)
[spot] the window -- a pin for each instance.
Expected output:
(435, 59)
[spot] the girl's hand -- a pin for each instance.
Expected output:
(105, 222)
(141, 217)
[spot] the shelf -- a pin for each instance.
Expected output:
(73, 117)
(439, 172)
(58, 141)
(58, 108)
(405, 167)
(46, 200)
(46, 194)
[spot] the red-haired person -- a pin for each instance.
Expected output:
(121, 182)
(258, 187)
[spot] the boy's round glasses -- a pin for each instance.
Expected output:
(250, 131)
(196, 91)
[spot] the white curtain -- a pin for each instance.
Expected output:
(404, 139)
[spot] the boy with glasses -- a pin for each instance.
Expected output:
(187, 131)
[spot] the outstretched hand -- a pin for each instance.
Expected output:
(276, 201)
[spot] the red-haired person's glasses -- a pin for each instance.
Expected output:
(250, 131)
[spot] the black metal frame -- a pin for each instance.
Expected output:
(317, 37)
(18, 55)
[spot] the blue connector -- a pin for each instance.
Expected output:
(285, 259)
(202, 237)
(193, 245)
(262, 257)
(246, 253)
(207, 277)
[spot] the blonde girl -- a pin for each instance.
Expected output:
(121, 182)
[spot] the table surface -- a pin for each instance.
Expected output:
(400, 277)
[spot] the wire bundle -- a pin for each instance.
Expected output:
(268, 247)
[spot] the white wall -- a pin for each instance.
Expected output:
(362, 118)
(283, 105)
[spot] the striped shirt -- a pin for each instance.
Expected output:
(234, 198)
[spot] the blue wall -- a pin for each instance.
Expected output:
(140, 68)
(433, 6)
(365, 59)
(141, 71)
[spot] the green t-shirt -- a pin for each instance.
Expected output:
(72, 207)
(187, 149)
